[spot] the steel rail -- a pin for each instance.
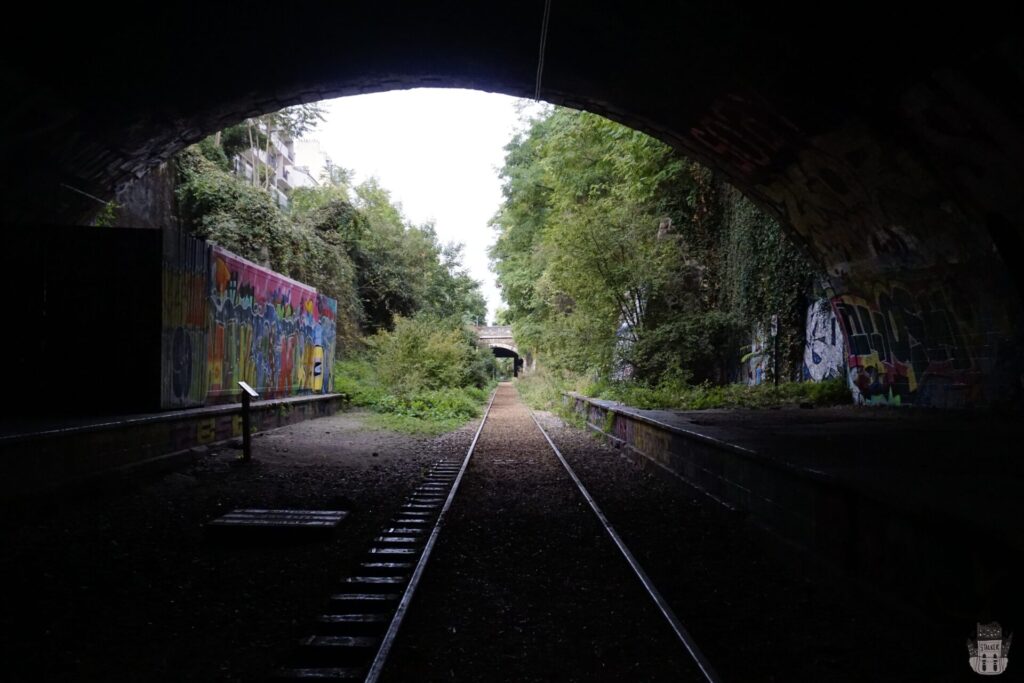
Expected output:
(684, 636)
(396, 621)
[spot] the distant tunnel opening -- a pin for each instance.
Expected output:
(517, 362)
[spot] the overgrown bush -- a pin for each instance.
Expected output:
(216, 205)
(426, 353)
(426, 376)
(357, 377)
(436, 404)
(544, 390)
(679, 395)
(689, 347)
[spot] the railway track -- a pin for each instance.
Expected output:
(354, 636)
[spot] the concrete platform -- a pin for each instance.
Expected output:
(927, 504)
(43, 455)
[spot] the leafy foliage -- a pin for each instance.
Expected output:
(404, 269)
(215, 205)
(769, 275)
(544, 390)
(587, 251)
(244, 219)
(683, 396)
(427, 353)
(107, 216)
(360, 251)
(392, 279)
(614, 251)
(427, 375)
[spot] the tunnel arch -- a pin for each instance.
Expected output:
(504, 350)
(508, 351)
(890, 143)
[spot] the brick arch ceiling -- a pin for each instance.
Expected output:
(890, 139)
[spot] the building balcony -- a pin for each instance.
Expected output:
(299, 176)
(283, 180)
(282, 146)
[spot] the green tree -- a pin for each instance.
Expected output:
(429, 353)
(613, 248)
(579, 254)
(405, 269)
(352, 243)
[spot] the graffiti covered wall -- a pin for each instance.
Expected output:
(911, 347)
(186, 264)
(274, 333)
(823, 344)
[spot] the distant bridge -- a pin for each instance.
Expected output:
(496, 337)
(499, 339)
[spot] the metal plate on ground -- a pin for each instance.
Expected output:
(251, 519)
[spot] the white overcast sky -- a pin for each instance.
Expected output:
(438, 152)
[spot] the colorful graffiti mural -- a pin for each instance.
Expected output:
(186, 262)
(823, 345)
(274, 333)
(907, 347)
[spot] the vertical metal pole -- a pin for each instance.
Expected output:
(246, 429)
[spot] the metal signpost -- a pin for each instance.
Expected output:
(248, 393)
